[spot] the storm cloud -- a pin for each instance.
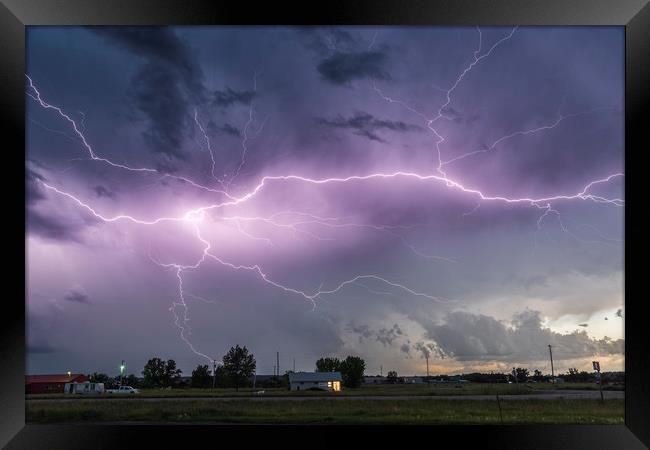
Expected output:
(452, 268)
(42, 221)
(343, 68)
(77, 294)
(364, 124)
(229, 97)
(165, 87)
(475, 337)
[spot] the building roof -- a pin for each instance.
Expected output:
(64, 378)
(315, 376)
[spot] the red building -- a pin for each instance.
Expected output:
(49, 384)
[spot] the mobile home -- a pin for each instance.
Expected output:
(85, 388)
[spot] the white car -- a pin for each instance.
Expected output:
(123, 390)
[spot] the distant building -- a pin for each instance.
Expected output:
(50, 384)
(413, 380)
(85, 388)
(375, 380)
(301, 381)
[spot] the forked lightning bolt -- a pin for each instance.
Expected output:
(195, 216)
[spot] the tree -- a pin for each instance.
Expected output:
(575, 375)
(221, 377)
(352, 369)
(537, 375)
(392, 377)
(158, 373)
(239, 365)
(109, 383)
(172, 375)
(521, 374)
(132, 381)
(328, 365)
(98, 378)
(201, 377)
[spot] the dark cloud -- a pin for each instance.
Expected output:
(101, 191)
(226, 128)
(426, 349)
(342, 68)
(585, 325)
(366, 125)
(619, 313)
(33, 191)
(77, 295)
(229, 97)
(470, 337)
(157, 94)
(47, 225)
(157, 44)
(385, 336)
(363, 331)
(51, 227)
(164, 87)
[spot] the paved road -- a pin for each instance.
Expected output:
(543, 395)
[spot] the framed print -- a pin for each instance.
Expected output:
(362, 216)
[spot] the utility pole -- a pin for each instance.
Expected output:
(214, 372)
(381, 371)
(294, 365)
(277, 356)
(596, 365)
(122, 373)
(550, 351)
(427, 367)
(514, 374)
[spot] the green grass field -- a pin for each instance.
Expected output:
(431, 411)
(399, 389)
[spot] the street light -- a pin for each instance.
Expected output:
(550, 351)
(69, 374)
(122, 366)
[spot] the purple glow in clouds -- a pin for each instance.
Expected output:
(381, 176)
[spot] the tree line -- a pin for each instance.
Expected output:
(238, 365)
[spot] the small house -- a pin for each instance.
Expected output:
(413, 380)
(375, 380)
(84, 388)
(49, 384)
(302, 381)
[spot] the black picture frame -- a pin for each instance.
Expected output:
(634, 15)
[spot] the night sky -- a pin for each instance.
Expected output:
(378, 191)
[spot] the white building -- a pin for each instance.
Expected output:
(413, 380)
(86, 388)
(328, 381)
(375, 380)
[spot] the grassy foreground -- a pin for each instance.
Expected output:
(431, 411)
